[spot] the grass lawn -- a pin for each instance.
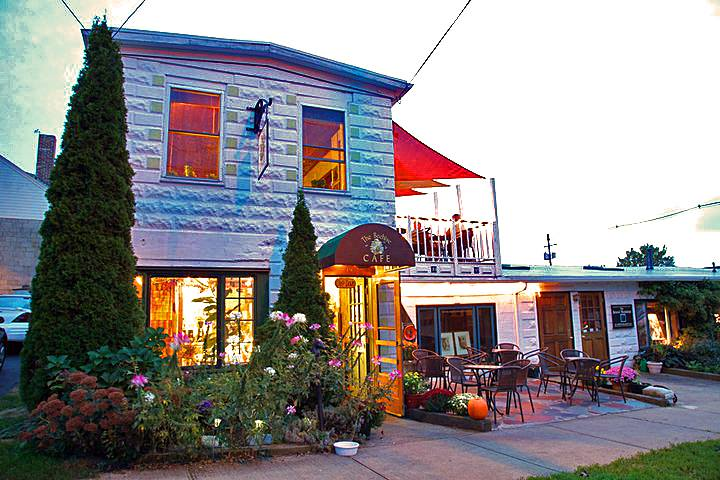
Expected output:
(686, 461)
(21, 463)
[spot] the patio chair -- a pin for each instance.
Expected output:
(522, 377)
(459, 376)
(506, 346)
(571, 352)
(419, 353)
(551, 367)
(432, 368)
(504, 381)
(506, 355)
(476, 355)
(620, 362)
(533, 353)
(586, 372)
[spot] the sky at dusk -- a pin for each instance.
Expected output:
(588, 114)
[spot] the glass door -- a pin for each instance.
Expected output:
(386, 344)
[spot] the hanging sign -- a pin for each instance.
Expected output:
(261, 127)
(345, 282)
(622, 316)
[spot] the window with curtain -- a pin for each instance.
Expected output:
(323, 133)
(194, 135)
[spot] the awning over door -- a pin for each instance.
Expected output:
(419, 166)
(369, 245)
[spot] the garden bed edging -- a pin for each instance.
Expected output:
(446, 420)
(693, 374)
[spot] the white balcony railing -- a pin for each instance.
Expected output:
(448, 240)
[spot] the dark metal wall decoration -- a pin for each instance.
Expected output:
(261, 128)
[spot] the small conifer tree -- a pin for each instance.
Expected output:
(301, 290)
(82, 294)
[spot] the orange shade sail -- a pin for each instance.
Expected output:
(419, 166)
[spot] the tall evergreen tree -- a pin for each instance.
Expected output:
(82, 294)
(301, 290)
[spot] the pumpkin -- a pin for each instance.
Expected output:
(477, 408)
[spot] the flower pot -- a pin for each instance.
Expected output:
(413, 400)
(654, 367)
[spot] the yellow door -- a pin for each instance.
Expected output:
(387, 340)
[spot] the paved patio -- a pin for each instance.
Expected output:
(410, 450)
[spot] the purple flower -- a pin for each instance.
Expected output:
(221, 354)
(335, 363)
(139, 380)
(204, 406)
(332, 326)
(314, 326)
(394, 374)
(291, 410)
(356, 343)
(367, 326)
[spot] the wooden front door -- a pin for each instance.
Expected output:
(592, 324)
(555, 322)
(387, 341)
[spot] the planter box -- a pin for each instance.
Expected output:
(446, 420)
(693, 374)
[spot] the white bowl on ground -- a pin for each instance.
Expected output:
(346, 449)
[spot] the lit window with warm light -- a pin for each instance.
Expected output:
(323, 137)
(193, 149)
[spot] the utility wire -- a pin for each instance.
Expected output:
(440, 41)
(668, 215)
(73, 14)
(128, 18)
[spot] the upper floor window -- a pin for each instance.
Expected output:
(194, 135)
(323, 148)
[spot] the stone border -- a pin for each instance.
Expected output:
(692, 374)
(219, 453)
(445, 420)
(660, 402)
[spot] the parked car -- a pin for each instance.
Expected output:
(15, 310)
(3, 347)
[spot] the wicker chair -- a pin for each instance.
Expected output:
(506, 346)
(419, 353)
(584, 371)
(458, 374)
(432, 368)
(476, 355)
(571, 352)
(551, 367)
(533, 353)
(507, 355)
(620, 362)
(505, 381)
(522, 377)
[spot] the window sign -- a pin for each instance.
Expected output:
(622, 316)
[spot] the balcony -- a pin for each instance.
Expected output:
(448, 247)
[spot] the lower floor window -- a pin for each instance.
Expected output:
(450, 330)
(190, 304)
(653, 326)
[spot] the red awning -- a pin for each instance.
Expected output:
(418, 166)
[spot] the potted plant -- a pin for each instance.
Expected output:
(655, 356)
(436, 400)
(415, 387)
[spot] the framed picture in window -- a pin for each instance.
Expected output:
(462, 341)
(447, 344)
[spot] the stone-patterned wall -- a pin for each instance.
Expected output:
(243, 223)
(19, 250)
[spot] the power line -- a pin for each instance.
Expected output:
(668, 215)
(440, 41)
(128, 18)
(73, 14)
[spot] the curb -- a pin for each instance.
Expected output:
(692, 374)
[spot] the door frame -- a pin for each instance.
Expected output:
(571, 322)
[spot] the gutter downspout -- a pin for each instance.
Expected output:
(496, 232)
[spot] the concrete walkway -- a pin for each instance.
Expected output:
(411, 450)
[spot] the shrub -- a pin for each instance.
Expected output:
(82, 294)
(436, 400)
(458, 404)
(414, 383)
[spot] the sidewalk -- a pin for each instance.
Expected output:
(410, 450)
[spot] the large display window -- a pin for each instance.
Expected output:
(450, 330)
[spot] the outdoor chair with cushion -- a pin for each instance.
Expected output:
(504, 380)
(459, 375)
(522, 377)
(432, 368)
(551, 367)
(506, 355)
(620, 363)
(584, 371)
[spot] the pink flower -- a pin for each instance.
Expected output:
(332, 326)
(394, 374)
(291, 410)
(289, 321)
(221, 354)
(375, 360)
(356, 343)
(139, 380)
(367, 326)
(295, 339)
(314, 326)
(335, 363)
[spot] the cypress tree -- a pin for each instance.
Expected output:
(301, 290)
(82, 294)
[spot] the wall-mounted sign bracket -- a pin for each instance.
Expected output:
(260, 110)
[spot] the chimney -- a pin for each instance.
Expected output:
(649, 259)
(45, 157)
